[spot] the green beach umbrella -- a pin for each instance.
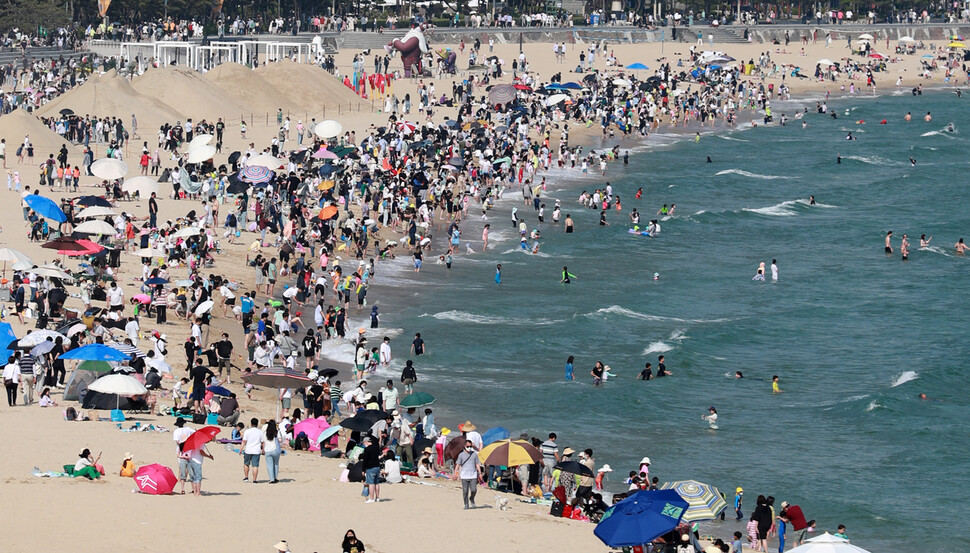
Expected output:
(704, 501)
(417, 399)
(97, 366)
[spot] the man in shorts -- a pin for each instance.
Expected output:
(179, 436)
(252, 448)
(224, 355)
(371, 457)
(550, 456)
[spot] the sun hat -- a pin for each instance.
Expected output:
(467, 427)
(568, 451)
(282, 546)
(605, 468)
(445, 431)
(128, 456)
(645, 461)
(427, 450)
(740, 489)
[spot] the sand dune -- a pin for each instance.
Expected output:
(310, 87)
(190, 94)
(18, 123)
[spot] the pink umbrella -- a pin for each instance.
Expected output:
(324, 153)
(406, 126)
(142, 298)
(876, 55)
(155, 479)
(312, 428)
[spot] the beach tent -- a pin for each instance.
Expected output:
(82, 377)
(97, 400)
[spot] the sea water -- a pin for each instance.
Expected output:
(854, 335)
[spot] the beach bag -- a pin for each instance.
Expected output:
(198, 418)
(117, 415)
(556, 509)
(212, 418)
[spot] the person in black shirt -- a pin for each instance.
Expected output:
(223, 350)
(661, 369)
(646, 373)
(371, 458)
(417, 346)
(199, 374)
(153, 211)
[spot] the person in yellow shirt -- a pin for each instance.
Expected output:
(128, 467)
(774, 385)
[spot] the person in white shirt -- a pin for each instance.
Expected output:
(179, 436)
(131, 329)
(11, 380)
(116, 298)
(252, 447)
(390, 395)
(385, 352)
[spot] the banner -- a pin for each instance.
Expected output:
(103, 7)
(217, 6)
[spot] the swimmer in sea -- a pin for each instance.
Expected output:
(774, 385)
(738, 375)
(760, 275)
(498, 274)
(909, 116)
(811, 200)
(924, 242)
(928, 117)
(566, 275)
(569, 224)
(912, 161)
(709, 159)
(960, 246)
(849, 136)
(949, 128)
(889, 246)
(639, 192)
(673, 208)
(838, 159)
(711, 417)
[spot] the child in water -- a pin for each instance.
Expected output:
(711, 417)
(498, 274)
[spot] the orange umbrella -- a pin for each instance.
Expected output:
(325, 185)
(328, 212)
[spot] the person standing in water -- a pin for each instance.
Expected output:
(498, 274)
(889, 246)
(711, 417)
(960, 246)
(924, 242)
(566, 275)
(774, 270)
(569, 368)
(569, 224)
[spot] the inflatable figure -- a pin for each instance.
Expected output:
(412, 46)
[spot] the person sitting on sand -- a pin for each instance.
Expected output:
(87, 466)
(128, 467)
(45, 399)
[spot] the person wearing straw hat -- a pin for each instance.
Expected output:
(471, 434)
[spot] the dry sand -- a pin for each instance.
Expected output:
(188, 93)
(308, 508)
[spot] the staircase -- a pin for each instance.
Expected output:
(726, 35)
(36, 53)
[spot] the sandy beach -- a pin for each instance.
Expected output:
(310, 508)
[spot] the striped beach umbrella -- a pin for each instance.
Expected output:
(704, 501)
(509, 453)
(256, 174)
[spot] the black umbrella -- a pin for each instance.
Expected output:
(574, 467)
(364, 420)
(237, 187)
(93, 201)
(328, 373)
(234, 157)
(590, 78)
(67, 111)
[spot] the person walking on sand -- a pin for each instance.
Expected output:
(251, 448)
(371, 457)
(468, 468)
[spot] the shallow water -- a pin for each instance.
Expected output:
(854, 335)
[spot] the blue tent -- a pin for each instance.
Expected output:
(637, 65)
(495, 434)
(641, 518)
(96, 352)
(6, 338)
(45, 207)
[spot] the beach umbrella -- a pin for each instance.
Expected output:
(186, 232)
(141, 298)
(825, 61)
(406, 127)
(328, 373)
(523, 87)
(509, 453)
(88, 201)
(155, 479)
(201, 152)
(200, 140)
(827, 543)
(622, 82)
(910, 40)
(38, 337)
(325, 185)
(704, 501)
(45, 207)
(75, 328)
(575, 467)
(6, 338)
(364, 420)
(328, 433)
(119, 385)
(155, 281)
(556, 98)
(343, 151)
(219, 391)
(637, 66)
(148, 252)
(22, 265)
(328, 212)
(141, 184)
(264, 160)
(866, 36)
(312, 428)
(640, 518)
(200, 437)
(877, 56)
(158, 364)
(204, 307)
(52, 272)
(96, 352)
(128, 350)
(324, 153)
(96, 366)
(417, 399)
(255, 174)
(956, 44)
(278, 377)
(66, 112)
(109, 168)
(95, 227)
(237, 187)
(327, 169)
(501, 94)
(495, 434)
(42, 348)
(64, 244)
(95, 211)
(572, 86)
(954, 37)
(14, 256)
(328, 128)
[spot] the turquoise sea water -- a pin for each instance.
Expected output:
(854, 335)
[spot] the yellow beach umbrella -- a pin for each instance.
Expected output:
(956, 44)
(509, 453)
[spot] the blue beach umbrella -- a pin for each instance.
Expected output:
(96, 352)
(495, 434)
(328, 433)
(572, 86)
(45, 207)
(6, 338)
(637, 65)
(219, 391)
(640, 518)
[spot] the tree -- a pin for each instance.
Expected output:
(29, 15)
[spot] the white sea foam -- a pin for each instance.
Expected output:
(731, 138)
(474, 318)
(750, 175)
(874, 160)
(937, 250)
(623, 311)
(907, 376)
(527, 252)
(873, 405)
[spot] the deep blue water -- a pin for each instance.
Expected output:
(853, 334)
